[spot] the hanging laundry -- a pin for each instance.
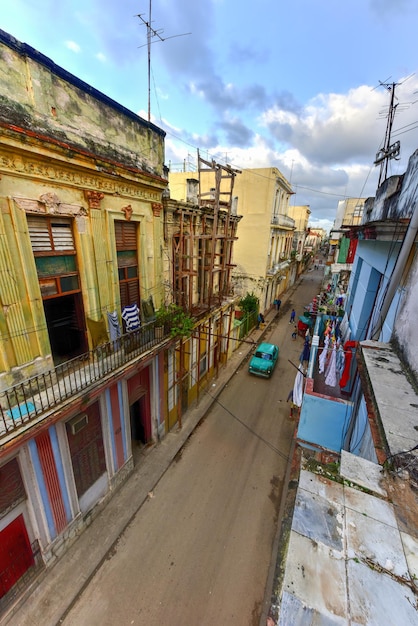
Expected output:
(306, 352)
(114, 327)
(130, 315)
(323, 355)
(331, 377)
(98, 332)
(148, 311)
(348, 358)
(297, 395)
(340, 361)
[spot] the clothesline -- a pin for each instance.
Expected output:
(350, 350)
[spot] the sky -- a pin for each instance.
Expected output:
(295, 85)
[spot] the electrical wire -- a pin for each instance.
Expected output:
(240, 421)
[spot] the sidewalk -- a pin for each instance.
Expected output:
(53, 592)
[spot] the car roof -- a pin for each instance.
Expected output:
(266, 347)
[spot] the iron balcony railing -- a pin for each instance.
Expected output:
(27, 401)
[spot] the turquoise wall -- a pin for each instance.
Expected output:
(324, 422)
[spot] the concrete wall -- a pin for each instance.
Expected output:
(405, 328)
(323, 421)
(39, 96)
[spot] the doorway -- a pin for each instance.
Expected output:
(15, 554)
(64, 320)
(138, 421)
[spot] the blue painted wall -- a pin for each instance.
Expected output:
(372, 269)
(324, 422)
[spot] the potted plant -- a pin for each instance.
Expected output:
(174, 321)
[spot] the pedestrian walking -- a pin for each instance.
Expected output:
(260, 320)
(277, 302)
(293, 406)
(292, 316)
(295, 333)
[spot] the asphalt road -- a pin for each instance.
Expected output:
(199, 551)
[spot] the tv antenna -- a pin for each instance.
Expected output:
(152, 33)
(389, 150)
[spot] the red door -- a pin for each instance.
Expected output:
(15, 554)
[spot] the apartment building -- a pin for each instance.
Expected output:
(263, 260)
(81, 369)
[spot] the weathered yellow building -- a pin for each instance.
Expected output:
(74, 167)
(300, 214)
(81, 226)
(263, 252)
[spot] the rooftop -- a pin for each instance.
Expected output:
(352, 557)
(349, 540)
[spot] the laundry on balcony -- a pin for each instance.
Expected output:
(130, 315)
(114, 328)
(148, 310)
(98, 332)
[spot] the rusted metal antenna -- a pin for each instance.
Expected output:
(151, 32)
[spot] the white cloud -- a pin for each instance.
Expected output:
(72, 45)
(101, 57)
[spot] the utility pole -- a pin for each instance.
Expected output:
(389, 151)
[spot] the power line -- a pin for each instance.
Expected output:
(389, 151)
(240, 421)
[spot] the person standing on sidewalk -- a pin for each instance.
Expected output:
(260, 320)
(292, 316)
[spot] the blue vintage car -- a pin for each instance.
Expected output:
(263, 361)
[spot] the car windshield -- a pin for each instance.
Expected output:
(263, 355)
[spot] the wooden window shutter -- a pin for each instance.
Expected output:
(125, 233)
(50, 234)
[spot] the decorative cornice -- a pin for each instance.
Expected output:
(17, 164)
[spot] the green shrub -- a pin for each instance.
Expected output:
(249, 303)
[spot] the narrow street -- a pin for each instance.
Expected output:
(199, 551)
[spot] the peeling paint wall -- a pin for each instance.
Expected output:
(396, 201)
(67, 150)
(405, 330)
(396, 197)
(43, 98)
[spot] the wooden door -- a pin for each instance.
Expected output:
(15, 554)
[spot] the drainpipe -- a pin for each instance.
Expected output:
(397, 273)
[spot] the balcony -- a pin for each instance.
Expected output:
(282, 220)
(29, 402)
(278, 267)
